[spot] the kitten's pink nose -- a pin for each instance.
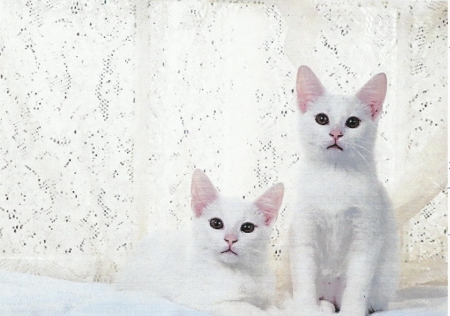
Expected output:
(230, 239)
(336, 134)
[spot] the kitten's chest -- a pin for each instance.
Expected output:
(332, 189)
(333, 237)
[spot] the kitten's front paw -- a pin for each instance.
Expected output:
(326, 307)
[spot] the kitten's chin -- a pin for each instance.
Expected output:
(228, 257)
(336, 153)
(331, 153)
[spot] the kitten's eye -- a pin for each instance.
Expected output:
(353, 122)
(322, 119)
(216, 223)
(248, 227)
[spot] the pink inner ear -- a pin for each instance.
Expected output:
(269, 203)
(373, 94)
(309, 88)
(203, 192)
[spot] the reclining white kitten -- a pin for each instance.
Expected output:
(343, 234)
(220, 264)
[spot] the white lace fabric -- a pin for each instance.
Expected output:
(107, 107)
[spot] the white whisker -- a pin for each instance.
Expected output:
(355, 150)
(359, 146)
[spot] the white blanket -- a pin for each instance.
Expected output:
(22, 294)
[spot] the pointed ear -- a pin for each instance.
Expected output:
(203, 192)
(373, 93)
(269, 203)
(309, 88)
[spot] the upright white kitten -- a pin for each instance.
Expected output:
(221, 263)
(343, 235)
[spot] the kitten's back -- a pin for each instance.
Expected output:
(152, 263)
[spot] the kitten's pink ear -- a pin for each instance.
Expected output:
(309, 88)
(269, 203)
(373, 93)
(203, 192)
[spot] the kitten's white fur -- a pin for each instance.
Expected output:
(188, 267)
(343, 234)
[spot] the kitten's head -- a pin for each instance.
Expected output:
(335, 127)
(230, 230)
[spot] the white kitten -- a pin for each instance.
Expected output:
(221, 263)
(343, 235)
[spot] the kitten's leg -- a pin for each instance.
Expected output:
(362, 264)
(304, 269)
(385, 280)
(386, 276)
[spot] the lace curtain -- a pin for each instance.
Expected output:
(108, 106)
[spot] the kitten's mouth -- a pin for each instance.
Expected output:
(229, 250)
(335, 146)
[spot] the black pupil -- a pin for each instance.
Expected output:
(352, 122)
(247, 227)
(216, 223)
(322, 119)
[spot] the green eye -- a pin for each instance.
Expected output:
(216, 223)
(322, 119)
(248, 227)
(352, 122)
